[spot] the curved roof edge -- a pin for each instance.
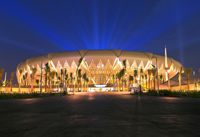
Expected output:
(83, 53)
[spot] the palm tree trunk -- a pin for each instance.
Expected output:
(169, 84)
(146, 83)
(149, 83)
(45, 85)
(158, 84)
(188, 82)
(180, 78)
(32, 82)
(117, 85)
(122, 85)
(154, 83)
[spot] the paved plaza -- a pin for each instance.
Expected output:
(100, 115)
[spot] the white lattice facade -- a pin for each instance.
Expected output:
(99, 65)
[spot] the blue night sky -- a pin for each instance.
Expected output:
(31, 28)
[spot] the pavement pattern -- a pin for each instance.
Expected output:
(100, 115)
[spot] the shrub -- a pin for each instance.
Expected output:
(27, 95)
(195, 94)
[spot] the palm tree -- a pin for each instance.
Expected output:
(52, 75)
(64, 74)
(130, 79)
(123, 73)
(154, 77)
(161, 78)
(56, 82)
(37, 81)
(149, 71)
(76, 77)
(1, 73)
(77, 69)
(85, 78)
(20, 79)
(168, 78)
(47, 71)
(124, 63)
(61, 76)
(62, 79)
(1, 76)
(135, 74)
(188, 72)
(118, 76)
(66, 79)
(146, 78)
(34, 70)
(113, 79)
(79, 78)
(87, 81)
(141, 76)
(11, 80)
(25, 76)
(71, 80)
(180, 78)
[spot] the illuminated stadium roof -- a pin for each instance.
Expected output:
(100, 65)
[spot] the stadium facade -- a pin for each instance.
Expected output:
(96, 67)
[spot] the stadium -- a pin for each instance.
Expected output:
(94, 70)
